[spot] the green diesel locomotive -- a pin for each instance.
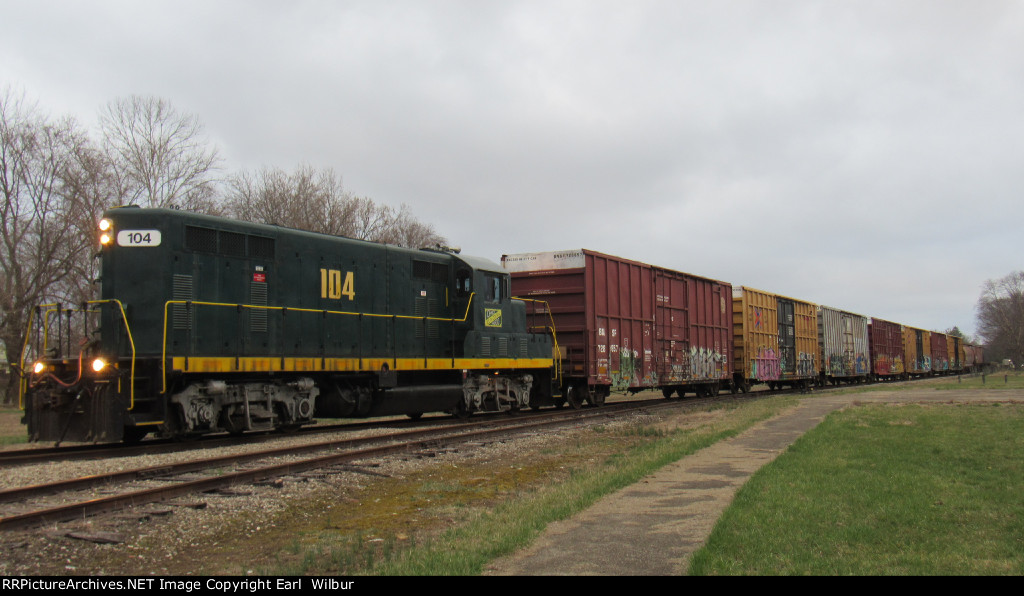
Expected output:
(206, 324)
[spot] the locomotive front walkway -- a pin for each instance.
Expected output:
(653, 526)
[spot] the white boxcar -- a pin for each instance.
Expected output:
(845, 354)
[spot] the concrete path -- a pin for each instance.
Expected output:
(655, 525)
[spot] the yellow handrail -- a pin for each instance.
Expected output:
(23, 385)
(167, 305)
(554, 335)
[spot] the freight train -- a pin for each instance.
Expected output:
(205, 324)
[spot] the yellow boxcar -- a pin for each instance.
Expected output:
(917, 356)
(775, 340)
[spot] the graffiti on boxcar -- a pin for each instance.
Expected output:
(805, 365)
(677, 372)
(706, 363)
(765, 366)
(838, 365)
(624, 378)
(884, 365)
(846, 365)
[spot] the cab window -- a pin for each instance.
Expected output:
(495, 287)
(463, 283)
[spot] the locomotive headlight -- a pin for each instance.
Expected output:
(106, 227)
(38, 368)
(99, 364)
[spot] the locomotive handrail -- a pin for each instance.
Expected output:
(24, 380)
(46, 322)
(167, 305)
(23, 383)
(554, 335)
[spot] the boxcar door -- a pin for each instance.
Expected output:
(787, 336)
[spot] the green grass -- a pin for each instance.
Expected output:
(998, 380)
(883, 490)
(12, 431)
(490, 528)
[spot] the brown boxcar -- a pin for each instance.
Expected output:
(843, 339)
(940, 353)
(917, 355)
(627, 326)
(693, 333)
(886, 349)
(973, 358)
(775, 340)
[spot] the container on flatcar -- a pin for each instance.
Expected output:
(628, 326)
(917, 355)
(775, 340)
(886, 343)
(940, 353)
(843, 339)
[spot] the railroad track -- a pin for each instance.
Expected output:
(81, 452)
(35, 455)
(25, 507)
(76, 498)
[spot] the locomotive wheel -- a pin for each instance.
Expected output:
(572, 397)
(415, 415)
(461, 411)
(667, 392)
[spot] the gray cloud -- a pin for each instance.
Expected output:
(861, 154)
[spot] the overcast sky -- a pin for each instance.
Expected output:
(859, 154)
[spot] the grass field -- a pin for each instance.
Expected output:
(884, 490)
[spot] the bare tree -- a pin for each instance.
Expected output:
(312, 199)
(162, 157)
(306, 199)
(1001, 317)
(40, 245)
(408, 231)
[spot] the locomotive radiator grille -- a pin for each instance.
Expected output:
(258, 316)
(182, 290)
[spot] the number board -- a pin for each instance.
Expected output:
(138, 238)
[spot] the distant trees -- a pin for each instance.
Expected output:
(47, 182)
(1001, 317)
(55, 183)
(954, 331)
(313, 199)
(161, 157)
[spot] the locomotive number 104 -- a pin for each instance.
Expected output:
(332, 286)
